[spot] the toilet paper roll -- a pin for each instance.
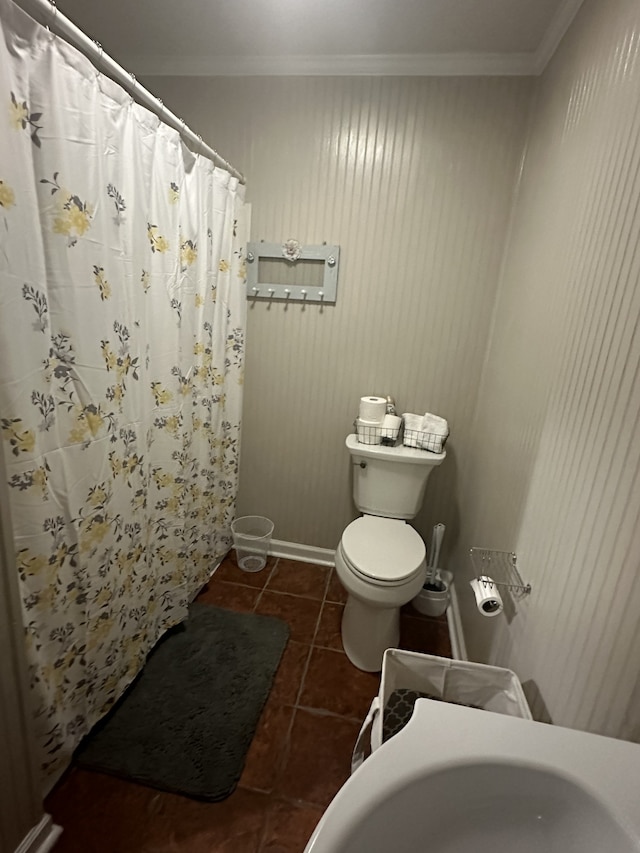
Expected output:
(390, 428)
(372, 409)
(368, 433)
(488, 599)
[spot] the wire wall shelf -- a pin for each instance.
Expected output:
(501, 567)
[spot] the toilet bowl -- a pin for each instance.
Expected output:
(381, 562)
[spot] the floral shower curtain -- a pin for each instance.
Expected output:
(122, 315)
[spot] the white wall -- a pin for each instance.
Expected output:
(413, 178)
(553, 470)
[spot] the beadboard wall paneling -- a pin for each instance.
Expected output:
(413, 178)
(553, 467)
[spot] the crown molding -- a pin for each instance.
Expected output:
(560, 23)
(383, 65)
(390, 65)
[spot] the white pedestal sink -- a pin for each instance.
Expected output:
(460, 780)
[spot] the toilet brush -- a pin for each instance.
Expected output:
(434, 555)
(433, 599)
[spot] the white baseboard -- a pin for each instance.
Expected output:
(303, 553)
(41, 838)
(326, 557)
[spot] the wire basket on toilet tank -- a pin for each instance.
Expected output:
(409, 430)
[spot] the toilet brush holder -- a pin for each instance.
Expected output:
(433, 598)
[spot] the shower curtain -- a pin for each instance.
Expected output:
(122, 316)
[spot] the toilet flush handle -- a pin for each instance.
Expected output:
(363, 464)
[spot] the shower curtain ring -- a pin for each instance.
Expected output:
(134, 83)
(54, 13)
(98, 66)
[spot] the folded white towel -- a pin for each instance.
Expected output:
(434, 424)
(433, 433)
(412, 428)
(425, 432)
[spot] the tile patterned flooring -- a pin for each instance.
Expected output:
(301, 751)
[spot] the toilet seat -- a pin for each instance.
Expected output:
(383, 551)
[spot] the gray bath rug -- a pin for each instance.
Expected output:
(186, 723)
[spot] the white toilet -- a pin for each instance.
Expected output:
(381, 560)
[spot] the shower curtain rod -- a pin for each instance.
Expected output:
(48, 14)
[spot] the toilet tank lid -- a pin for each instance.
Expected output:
(394, 454)
(383, 548)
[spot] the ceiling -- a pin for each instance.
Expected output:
(325, 36)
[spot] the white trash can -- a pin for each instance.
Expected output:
(252, 539)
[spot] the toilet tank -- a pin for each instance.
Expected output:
(390, 481)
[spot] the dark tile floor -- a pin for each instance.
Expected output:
(301, 751)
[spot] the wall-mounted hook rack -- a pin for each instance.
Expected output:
(501, 567)
(292, 271)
